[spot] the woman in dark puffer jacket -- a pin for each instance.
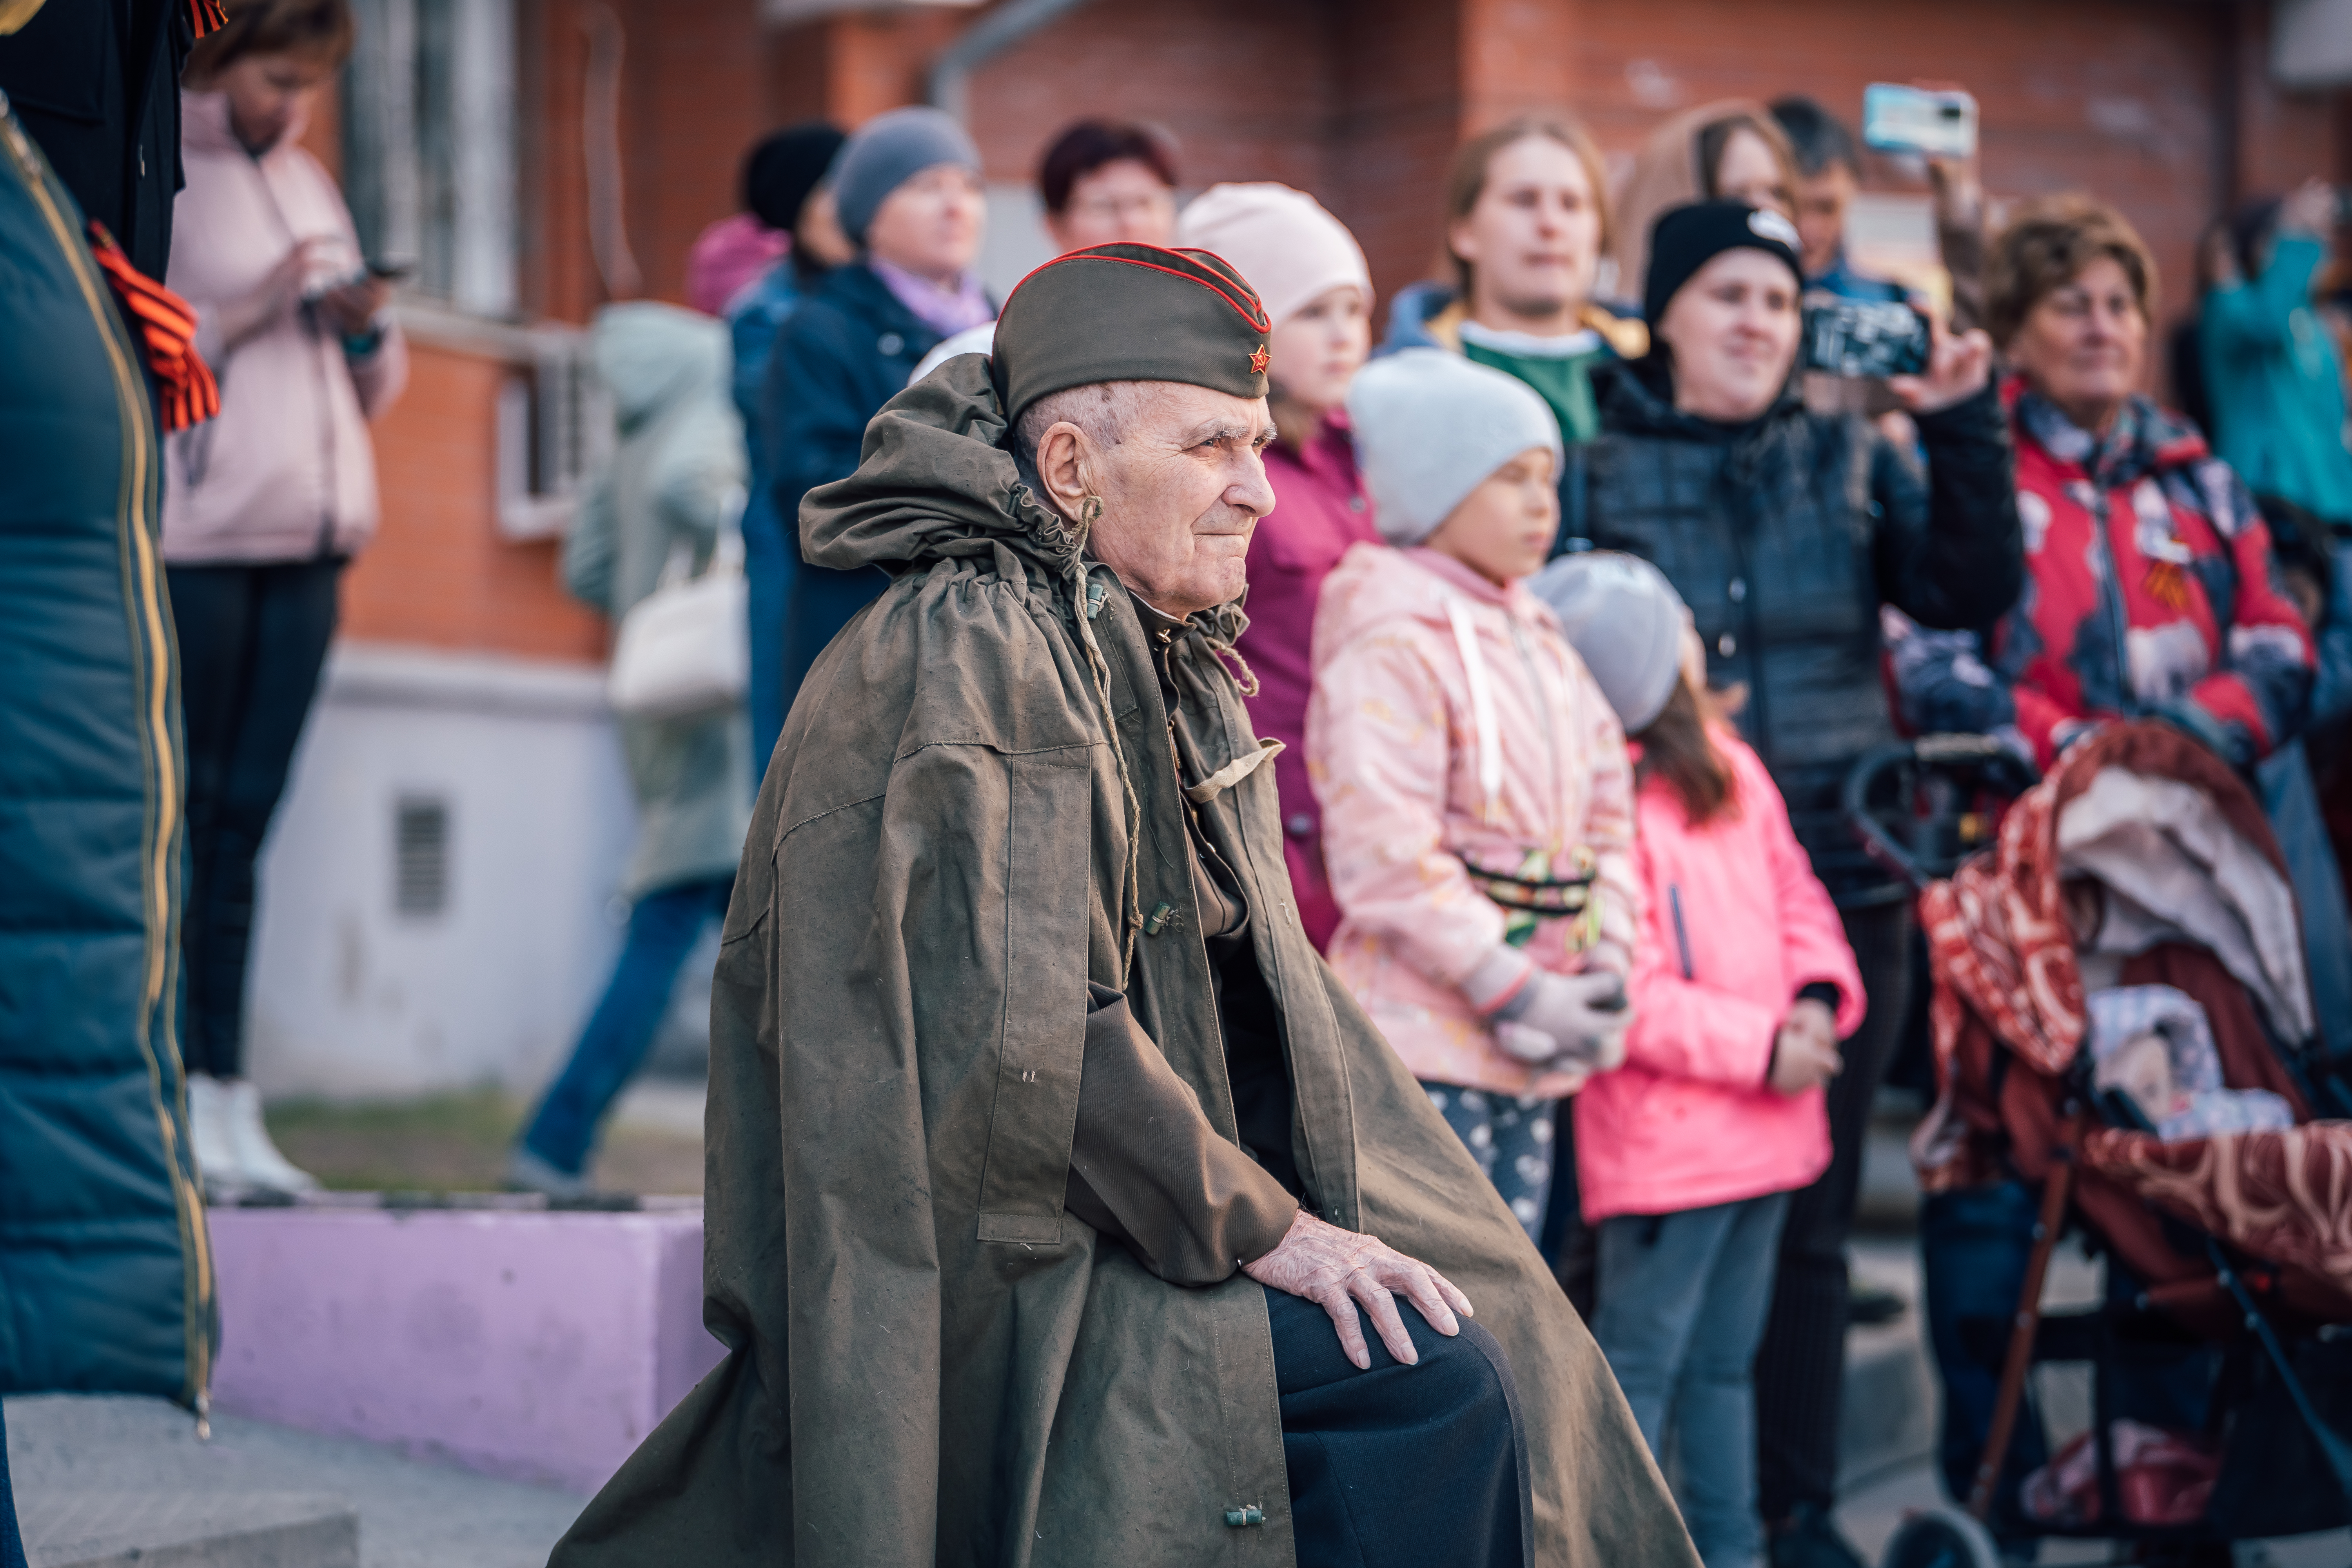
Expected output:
(1785, 532)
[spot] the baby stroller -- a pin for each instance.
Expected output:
(2145, 867)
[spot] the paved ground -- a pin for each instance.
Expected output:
(412, 1514)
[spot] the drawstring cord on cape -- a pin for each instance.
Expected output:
(1087, 598)
(1085, 604)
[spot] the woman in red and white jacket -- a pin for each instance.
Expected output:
(1742, 987)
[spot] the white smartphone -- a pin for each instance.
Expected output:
(1898, 119)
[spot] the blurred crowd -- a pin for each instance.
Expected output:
(1591, 577)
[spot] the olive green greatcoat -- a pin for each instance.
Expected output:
(929, 1361)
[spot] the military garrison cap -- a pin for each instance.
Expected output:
(1130, 312)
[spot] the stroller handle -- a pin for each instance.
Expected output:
(1980, 761)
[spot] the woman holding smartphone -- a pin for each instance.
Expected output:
(264, 506)
(1785, 531)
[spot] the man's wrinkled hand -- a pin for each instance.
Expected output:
(1341, 1270)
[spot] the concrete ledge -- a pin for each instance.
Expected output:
(536, 1345)
(187, 1530)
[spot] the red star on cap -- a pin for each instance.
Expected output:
(1257, 361)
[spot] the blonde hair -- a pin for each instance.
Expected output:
(1465, 179)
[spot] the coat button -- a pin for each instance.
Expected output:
(1737, 591)
(1355, 503)
(1727, 645)
(1300, 827)
(889, 342)
(1240, 1517)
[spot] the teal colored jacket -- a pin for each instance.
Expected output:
(105, 1273)
(2276, 385)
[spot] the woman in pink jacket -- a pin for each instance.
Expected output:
(1477, 796)
(263, 505)
(1743, 985)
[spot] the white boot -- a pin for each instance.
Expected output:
(259, 1163)
(208, 1133)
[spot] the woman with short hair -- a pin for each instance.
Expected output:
(2150, 588)
(1106, 180)
(264, 506)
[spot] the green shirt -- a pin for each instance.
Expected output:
(1559, 369)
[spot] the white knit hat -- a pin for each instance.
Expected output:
(1625, 621)
(1430, 427)
(1282, 241)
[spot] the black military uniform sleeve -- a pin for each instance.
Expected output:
(1148, 1169)
(1946, 547)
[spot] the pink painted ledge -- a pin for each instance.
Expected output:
(537, 1345)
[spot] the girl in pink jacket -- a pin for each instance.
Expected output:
(1743, 985)
(1476, 791)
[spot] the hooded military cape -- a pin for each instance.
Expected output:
(972, 813)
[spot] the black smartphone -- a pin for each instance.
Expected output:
(391, 269)
(1869, 338)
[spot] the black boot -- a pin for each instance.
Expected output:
(1807, 1540)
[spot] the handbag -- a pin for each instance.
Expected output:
(684, 649)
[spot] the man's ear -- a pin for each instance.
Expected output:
(1063, 464)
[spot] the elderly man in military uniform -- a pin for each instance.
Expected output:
(1062, 1208)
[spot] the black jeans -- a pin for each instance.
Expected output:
(1800, 1366)
(12, 1549)
(1413, 1466)
(252, 640)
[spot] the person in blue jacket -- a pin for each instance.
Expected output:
(906, 190)
(783, 188)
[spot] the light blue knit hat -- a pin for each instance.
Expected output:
(1430, 427)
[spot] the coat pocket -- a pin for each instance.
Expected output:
(1042, 1039)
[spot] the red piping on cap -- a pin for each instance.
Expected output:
(1257, 319)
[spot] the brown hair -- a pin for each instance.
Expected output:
(1089, 145)
(2046, 246)
(321, 29)
(1675, 747)
(1465, 179)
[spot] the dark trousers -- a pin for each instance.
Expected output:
(1415, 1466)
(663, 929)
(1974, 1247)
(769, 563)
(1800, 1366)
(12, 1547)
(252, 640)
(822, 602)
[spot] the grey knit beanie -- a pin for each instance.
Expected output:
(1625, 621)
(886, 152)
(1430, 427)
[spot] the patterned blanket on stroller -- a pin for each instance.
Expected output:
(2191, 894)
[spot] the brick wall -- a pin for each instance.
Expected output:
(439, 574)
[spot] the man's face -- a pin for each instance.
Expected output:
(1822, 202)
(1182, 492)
